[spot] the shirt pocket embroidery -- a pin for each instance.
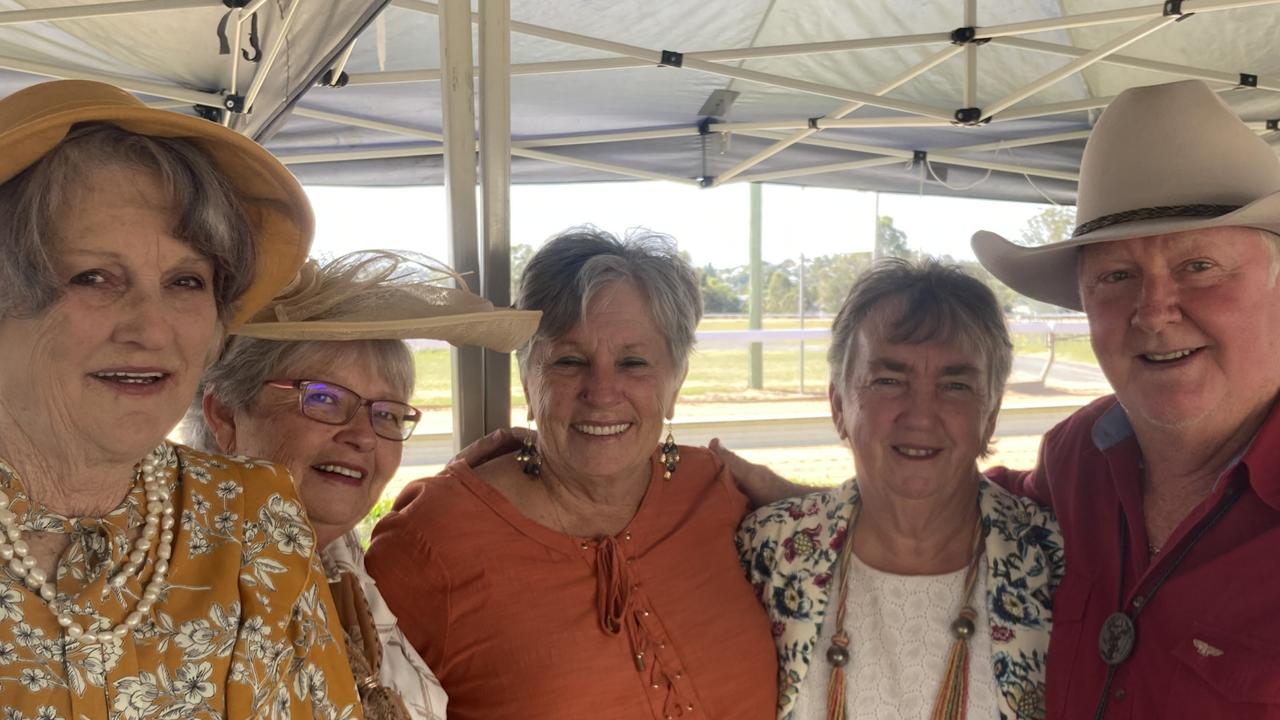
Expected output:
(1239, 669)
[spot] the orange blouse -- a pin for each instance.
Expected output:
(521, 621)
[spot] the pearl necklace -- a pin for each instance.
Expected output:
(158, 521)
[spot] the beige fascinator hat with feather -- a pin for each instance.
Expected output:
(387, 295)
(1161, 159)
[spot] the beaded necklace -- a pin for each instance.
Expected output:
(158, 525)
(952, 700)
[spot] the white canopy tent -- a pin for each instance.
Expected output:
(984, 99)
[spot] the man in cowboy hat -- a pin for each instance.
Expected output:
(1168, 491)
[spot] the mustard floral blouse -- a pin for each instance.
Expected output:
(244, 627)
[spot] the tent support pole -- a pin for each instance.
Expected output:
(1186, 71)
(108, 9)
(280, 40)
(755, 297)
(970, 56)
(1078, 64)
(457, 96)
(923, 67)
(172, 92)
(495, 189)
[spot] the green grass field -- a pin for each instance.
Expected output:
(720, 374)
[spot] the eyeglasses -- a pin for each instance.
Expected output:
(333, 404)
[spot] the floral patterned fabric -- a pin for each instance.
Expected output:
(244, 627)
(789, 550)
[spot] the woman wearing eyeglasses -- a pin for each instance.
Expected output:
(319, 383)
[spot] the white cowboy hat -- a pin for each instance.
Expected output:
(387, 295)
(1161, 159)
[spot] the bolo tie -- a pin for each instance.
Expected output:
(1119, 631)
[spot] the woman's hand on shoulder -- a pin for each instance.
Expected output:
(761, 485)
(494, 445)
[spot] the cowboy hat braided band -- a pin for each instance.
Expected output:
(1152, 213)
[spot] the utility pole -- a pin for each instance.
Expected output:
(755, 301)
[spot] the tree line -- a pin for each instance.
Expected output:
(827, 278)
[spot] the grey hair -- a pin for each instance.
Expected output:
(208, 214)
(937, 302)
(565, 274)
(237, 377)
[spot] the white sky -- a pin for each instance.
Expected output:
(712, 225)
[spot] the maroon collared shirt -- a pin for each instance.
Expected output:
(1208, 641)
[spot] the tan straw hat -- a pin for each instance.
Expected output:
(34, 120)
(387, 295)
(1161, 159)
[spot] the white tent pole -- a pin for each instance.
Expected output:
(1065, 107)
(236, 40)
(277, 44)
(108, 9)
(348, 155)
(368, 124)
(341, 64)
(253, 7)
(1217, 76)
(894, 121)
(458, 113)
(898, 159)
(833, 167)
(592, 138)
(1078, 64)
(912, 73)
(495, 192)
(1110, 17)
(173, 92)
(970, 56)
(1023, 142)
(899, 155)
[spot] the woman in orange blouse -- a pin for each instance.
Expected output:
(143, 579)
(592, 574)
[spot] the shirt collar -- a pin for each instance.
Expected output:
(1260, 458)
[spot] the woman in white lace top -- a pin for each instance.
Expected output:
(917, 589)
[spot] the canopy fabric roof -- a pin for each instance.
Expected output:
(863, 86)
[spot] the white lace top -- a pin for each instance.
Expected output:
(402, 668)
(899, 630)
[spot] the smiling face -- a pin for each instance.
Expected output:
(916, 416)
(109, 367)
(1186, 326)
(340, 470)
(600, 392)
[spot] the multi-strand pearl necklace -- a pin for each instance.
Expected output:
(158, 523)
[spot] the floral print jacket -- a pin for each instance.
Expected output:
(244, 626)
(789, 550)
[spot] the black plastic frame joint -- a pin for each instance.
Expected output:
(813, 123)
(233, 4)
(234, 103)
(706, 181)
(671, 58)
(1172, 7)
(210, 113)
(1273, 124)
(328, 80)
(963, 35)
(968, 116)
(919, 157)
(704, 127)
(1248, 80)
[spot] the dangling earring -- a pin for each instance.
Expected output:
(530, 459)
(670, 455)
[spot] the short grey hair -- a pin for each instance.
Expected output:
(566, 273)
(236, 379)
(209, 215)
(937, 302)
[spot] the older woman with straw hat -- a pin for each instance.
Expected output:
(142, 578)
(320, 382)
